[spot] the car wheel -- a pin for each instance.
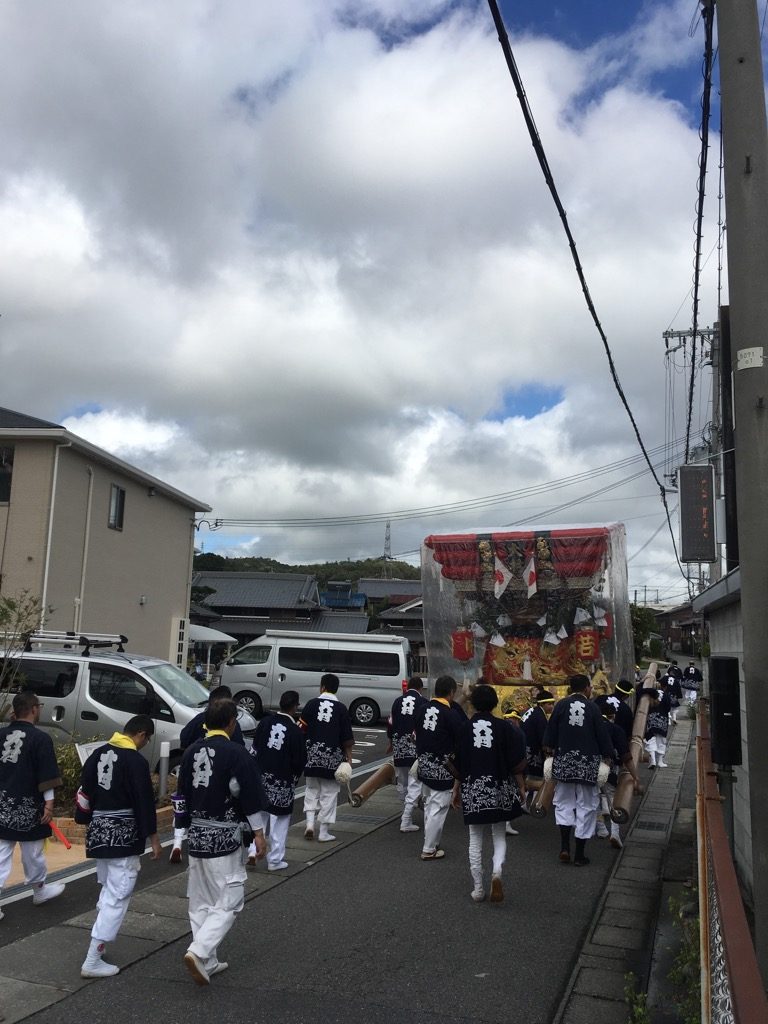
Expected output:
(364, 712)
(248, 702)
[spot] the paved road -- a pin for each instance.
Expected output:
(374, 933)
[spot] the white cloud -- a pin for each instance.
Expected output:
(298, 256)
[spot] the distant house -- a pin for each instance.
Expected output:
(391, 592)
(250, 603)
(338, 594)
(105, 547)
(679, 629)
(407, 620)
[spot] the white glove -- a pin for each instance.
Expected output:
(343, 773)
(602, 773)
(548, 768)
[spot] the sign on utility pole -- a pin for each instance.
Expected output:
(745, 151)
(697, 513)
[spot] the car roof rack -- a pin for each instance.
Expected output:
(68, 639)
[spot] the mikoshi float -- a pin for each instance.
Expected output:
(526, 609)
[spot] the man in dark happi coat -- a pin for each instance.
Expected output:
(437, 736)
(534, 724)
(325, 720)
(577, 740)
(657, 725)
(490, 762)
(221, 788)
(400, 730)
(117, 803)
(192, 731)
(28, 777)
(281, 753)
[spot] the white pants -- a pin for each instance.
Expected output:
(320, 797)
(409, 789)
(577, 803)
(656, 747)
(32, 859)
(436, 804)
(117, 878)
(278, 833)
(216, 891)
(476, 834)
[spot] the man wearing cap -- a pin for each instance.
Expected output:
(580, 748)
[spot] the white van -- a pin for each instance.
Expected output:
(371, 670)
(88, 692)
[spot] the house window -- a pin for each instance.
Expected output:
(116, 507)
(6, 472)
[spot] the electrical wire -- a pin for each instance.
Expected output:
(470, 504)
(548, 177)
(708, 17)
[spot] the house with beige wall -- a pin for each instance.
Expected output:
(105, 547)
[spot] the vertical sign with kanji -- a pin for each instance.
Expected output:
(697, 514)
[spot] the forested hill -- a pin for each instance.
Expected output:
(322, 571)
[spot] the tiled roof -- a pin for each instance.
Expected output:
(11, 420)
(375, 589)
(327, 622)
(258, 589)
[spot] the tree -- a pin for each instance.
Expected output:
(19, 616)
(643, 624)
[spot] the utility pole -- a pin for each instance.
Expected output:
(745, 148)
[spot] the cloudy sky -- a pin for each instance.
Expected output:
(299, 260)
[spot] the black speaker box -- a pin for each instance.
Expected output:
(725, 710)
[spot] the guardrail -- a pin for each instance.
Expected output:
(731, 987)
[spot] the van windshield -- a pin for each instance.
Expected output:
(183, 688)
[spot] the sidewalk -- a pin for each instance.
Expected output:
(57, 856)
(374, 932)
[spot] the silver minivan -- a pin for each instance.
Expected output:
(371, 669)
(88, 696)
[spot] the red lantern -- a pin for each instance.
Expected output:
(587, 643)
(462, 645)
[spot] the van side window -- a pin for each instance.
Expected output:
(364, 663)
(303, 659)
(251, 656)
(46, 678)
(121, 690)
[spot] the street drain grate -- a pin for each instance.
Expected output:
(652, 826)
(366, 819)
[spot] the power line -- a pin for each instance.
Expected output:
(548, 177)
(466, 505)
(708, 17)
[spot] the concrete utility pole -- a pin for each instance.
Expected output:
(745, 147)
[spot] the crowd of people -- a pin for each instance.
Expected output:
(233, 806)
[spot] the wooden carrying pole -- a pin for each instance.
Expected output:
(622, 800)
(384, 776)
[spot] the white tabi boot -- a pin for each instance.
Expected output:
(309, 827)
(44, 891)
(94, 966)
(325, 836)
(616, 842)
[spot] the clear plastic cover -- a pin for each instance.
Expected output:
(528, 608)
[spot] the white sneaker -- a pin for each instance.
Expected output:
(663, 764)
(278, 867)
(478, 895)
(47, 891)
(222, 965)
(509, 831)
(409, 827)
(98, 968)
(196, 968)
(325, 836)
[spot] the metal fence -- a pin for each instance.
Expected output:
(731, 987)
